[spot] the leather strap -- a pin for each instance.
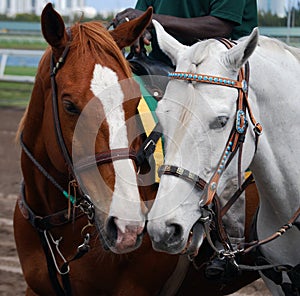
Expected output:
(47, 222)
(182, 173)
(106, 157)
(53, 71)
(281, 231)
(237, 194)
(149, 145)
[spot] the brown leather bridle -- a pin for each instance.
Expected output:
(83, 204)
(233, 145)
(100, 157)
(139, 157)
(237, 134)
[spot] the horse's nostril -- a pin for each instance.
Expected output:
(174, 232)
(111, 229)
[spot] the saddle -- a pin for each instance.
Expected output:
(153, 73)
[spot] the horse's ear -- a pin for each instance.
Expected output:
(125, 34)
(53, 28)
(167, 43)
(239, 54)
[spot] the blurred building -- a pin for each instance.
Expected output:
(278, 7)
(65, 7)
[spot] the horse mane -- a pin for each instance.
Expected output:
(270, 42)
(21, 126)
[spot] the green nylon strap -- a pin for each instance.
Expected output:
(151, 102)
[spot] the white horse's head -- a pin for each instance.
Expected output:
(197, 119)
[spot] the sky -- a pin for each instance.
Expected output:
(110, 5)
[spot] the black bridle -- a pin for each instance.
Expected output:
(99, 158)
(83, 205)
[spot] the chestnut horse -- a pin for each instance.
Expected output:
(77, 216)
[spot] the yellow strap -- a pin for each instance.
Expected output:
(247, 174)
(149, 124)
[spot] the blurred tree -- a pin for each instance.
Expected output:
(271, 20)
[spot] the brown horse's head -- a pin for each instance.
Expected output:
(97, 108)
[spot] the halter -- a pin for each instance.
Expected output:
(99, 158)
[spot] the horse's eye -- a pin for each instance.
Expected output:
(222, 120)
(219, 122)
(71, 107)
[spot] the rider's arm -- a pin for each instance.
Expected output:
(192, 30)
(188, 30)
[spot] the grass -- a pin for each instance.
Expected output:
(23, 45)
(21, 42)
(14, 94)
(22, 71)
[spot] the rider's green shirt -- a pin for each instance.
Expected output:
(242, 12)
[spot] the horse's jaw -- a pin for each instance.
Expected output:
(173, 216)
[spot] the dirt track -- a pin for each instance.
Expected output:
(11, 279)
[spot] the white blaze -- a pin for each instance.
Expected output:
(125, 202)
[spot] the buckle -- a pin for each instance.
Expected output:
(257, 129)
(152, 148)
(39, 223)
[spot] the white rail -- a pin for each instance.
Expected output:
(5, 53)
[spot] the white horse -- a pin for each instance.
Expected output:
(197, 119)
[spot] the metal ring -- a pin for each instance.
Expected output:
(126, 19)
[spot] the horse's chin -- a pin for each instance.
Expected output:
(195, 240)
(170, 246)
(174, 248)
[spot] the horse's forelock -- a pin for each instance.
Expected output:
(93, 37)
